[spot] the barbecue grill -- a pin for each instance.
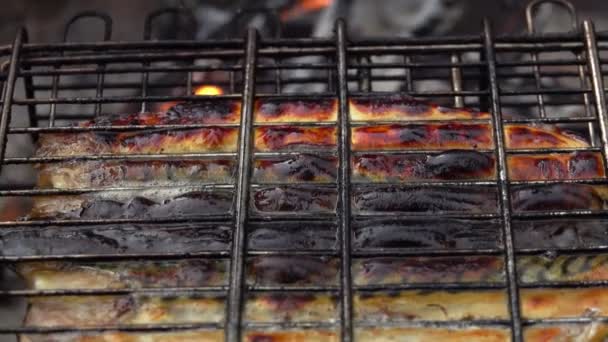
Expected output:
(478, 69)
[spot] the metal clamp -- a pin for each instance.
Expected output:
(534, 5)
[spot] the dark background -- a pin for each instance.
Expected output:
(45, 20)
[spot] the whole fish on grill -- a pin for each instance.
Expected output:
(396, 142)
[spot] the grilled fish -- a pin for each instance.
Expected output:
(418, 151)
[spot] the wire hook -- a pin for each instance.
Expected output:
(534, 5)
(107, 21)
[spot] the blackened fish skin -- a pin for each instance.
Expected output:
(556, 197)
(424, 199)
(429, 233)
(458, 164)
(290, 198)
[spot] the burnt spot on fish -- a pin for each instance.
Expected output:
(271, 138)
(425, 269)
(460, 164)
(402, 107)
(424, 199)
(556, 197)
(205, 112)
(302, 167)
(183, 113)
(416, 136)
(286, 302)
(425, 233)
(300, 270)
(184, 205)
(303, 199)
(376, 105)
(520, 136)
(555, 166)
(453, 164)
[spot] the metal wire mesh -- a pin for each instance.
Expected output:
(472, 71)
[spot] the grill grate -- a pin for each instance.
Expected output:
(260, 68)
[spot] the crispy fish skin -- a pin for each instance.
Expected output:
(296, 110)
(186, 336)
(590, 332)
(556, 166)
(541, 136)
(75, 311)
(124, 274)
(475, 305)
(415, 334)
(405, 108)
(294, 138)
(422, 136)
(79, 175)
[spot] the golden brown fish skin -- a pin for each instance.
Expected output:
(487, 304)
(415, 334)
(556, 166)
(291, 306)
(541, 136)
(80, 175)
(276, 138)
(404, 108)
(296, 110)
(210, 139)
(75, 311)
(185, 336)
(291, 336)
(422, 136)
(535, 268)
(124, 274)
(430, 305)
(589, 332)
(566, 302)
(198, 140)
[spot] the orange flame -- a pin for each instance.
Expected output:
(303, 7)
(204, 90)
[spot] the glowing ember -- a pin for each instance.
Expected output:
(303, 7)
(204, 90)
(208, 90)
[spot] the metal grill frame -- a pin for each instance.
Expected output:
(23, 56)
